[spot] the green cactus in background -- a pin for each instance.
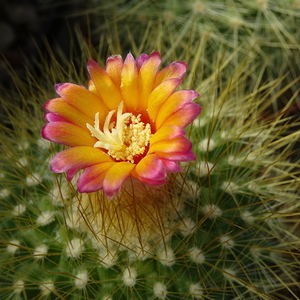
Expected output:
(225, 228)
(269, 29)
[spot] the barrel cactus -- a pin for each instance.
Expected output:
(225, 227)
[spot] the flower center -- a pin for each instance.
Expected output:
(125, 138)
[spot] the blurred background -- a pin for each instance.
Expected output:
(32, 29)
(29, 28)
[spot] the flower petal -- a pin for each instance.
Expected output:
(50, 117)
(151, 170)
(91, 180)
(78, 158)
(147, 75)
(129, 84)
(106, 88)
(183, 116)
(176, 69)
(141, 60)
(171, 166)
(152, 182)
(92, 88)
(67, 134)
(177, 156)
(115, 177)
(177, 145)
(70, 113)
(166, 133)
(174, 103)
(71, 173)
(114, 65)
(82, 99)
(160, 95)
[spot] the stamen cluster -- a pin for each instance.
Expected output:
(125, 138)
(136, 137)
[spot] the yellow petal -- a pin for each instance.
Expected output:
(92, 88)
(166, 133)
(83, 100)
(91, 180)
(160, 95)
(178, 101)
(106, 88)
(177, 145)
(183, 116)
(70, 113)
(147, 76)
(67, 134)
(129, 85)
(114, 65)
(115, 177)
(151, 170)
(78, 158)
(176, 69)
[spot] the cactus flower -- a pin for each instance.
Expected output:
(129, 122)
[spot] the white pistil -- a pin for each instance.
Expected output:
(110, 140)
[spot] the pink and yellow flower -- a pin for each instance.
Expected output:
(129, 122)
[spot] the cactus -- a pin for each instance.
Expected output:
(225, 228)
(267, 28)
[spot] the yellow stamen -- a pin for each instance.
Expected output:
(125, 139)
